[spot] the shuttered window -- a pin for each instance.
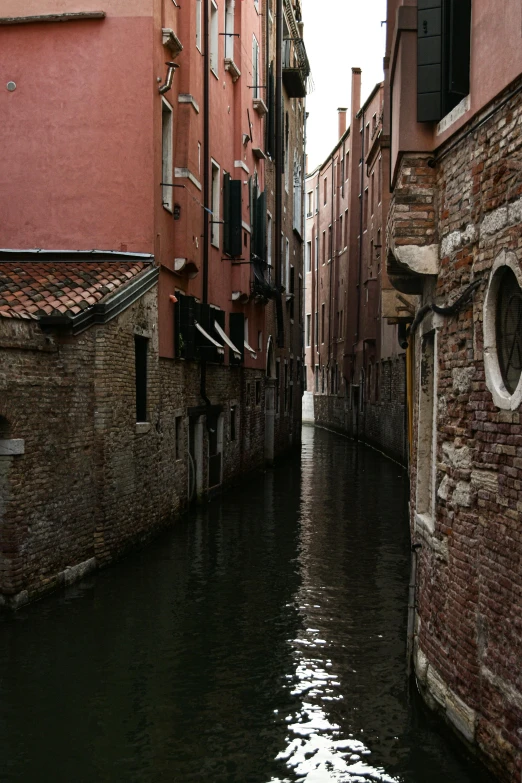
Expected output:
(232, 216)
(237, 335)
(443, 56)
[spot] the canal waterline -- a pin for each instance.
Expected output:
(261, 640)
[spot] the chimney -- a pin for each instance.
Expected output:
(342, 121)
(356, 91)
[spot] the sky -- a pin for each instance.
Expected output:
(339, 35)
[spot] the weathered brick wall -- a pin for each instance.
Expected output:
(381, 423)
(469, 579)
(92, 482)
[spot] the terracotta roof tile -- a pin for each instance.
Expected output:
(28, 288)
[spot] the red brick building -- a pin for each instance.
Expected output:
(161, 158)
(454, 252)
(355, 366)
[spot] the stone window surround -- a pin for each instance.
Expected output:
(501, 397)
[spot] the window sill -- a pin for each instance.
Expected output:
(232, 68)
(215, 73)
(260, 106)
(142, 427)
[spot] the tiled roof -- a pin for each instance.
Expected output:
(33, 289)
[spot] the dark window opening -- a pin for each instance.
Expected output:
(140, 356)
(178, 437)
(509, 329)
(258, 392)
(233, 422)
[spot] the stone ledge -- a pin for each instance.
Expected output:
(12, 448)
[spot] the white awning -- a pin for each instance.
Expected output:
(209, 338)
(228, 341)
(251, 351)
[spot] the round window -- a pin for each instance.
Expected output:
(503, 332)
(509, 328)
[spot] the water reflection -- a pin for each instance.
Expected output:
(261, 640)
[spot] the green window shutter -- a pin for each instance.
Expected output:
(260, 227)
(429, 60)
(270, 119)
(226, 214)
(236, 217)
(237, 335)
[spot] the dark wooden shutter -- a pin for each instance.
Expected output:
(459, 43)
(429, 60)
(260, 227)
(237, 335)
(292, 291)
(236, 217)
(226, 214)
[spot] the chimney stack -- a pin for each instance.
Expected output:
(356, 91)
(342, 120)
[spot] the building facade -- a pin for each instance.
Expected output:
(165, 161)
(454, 252)
(354, 363)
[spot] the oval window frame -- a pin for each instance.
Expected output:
(494, 381)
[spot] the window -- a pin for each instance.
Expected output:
(367, 138)
(316, 252)
(286, 388)
(346, 228)
(316, 328)
(258, 393)
(373, 192)
(178, 434)
(322, 323)
(308, 328)
(379, 180)
(233, 422)
(324, 247)
(325, 188)
(309, 203)
(341, 235)
(198, 23)
(229, 28)
(427, 433)
(365, 210)
(260, 341)
(199, 157)
(214, 37)
(308, 256)
(140, 361)
(278, 385)
(347, 165)
(443, 57)
(330, 247)
(214, 234)
(255, 67)
(503, 332)
(316, 378)
(166, 152)
(317, 198)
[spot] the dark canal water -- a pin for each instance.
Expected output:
(262, 640)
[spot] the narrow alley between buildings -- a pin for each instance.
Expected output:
(261, 639)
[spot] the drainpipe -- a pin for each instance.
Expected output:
(331, 250)
(279, 168)
(361, 212)
(206, 177)
(412, 607)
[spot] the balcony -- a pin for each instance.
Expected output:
(296, 68)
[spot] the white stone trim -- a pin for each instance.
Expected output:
(185, 97)
(181, 173)
(501, 397)
(239, 164)
(12, 447)
(454, 115)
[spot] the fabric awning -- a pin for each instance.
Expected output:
(251, 351)
(219, 347)
(228, 341)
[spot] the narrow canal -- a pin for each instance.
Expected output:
(262, 640)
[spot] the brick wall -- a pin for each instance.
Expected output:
(469, 578)
(92, 482)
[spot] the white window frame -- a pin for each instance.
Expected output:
(214, 38)
(230, 7)
(199, 25)
(494, 381)
(309, 256)
(216, 192)
(167, 154)
(425, 500)
(255, 67)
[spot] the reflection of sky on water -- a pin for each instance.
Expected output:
(317, 751)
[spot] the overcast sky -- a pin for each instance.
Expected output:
(339, 35)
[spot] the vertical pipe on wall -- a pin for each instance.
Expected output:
(279, 167)
(206, 177)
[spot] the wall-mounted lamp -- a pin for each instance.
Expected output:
(170, 77)
(173, 298)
